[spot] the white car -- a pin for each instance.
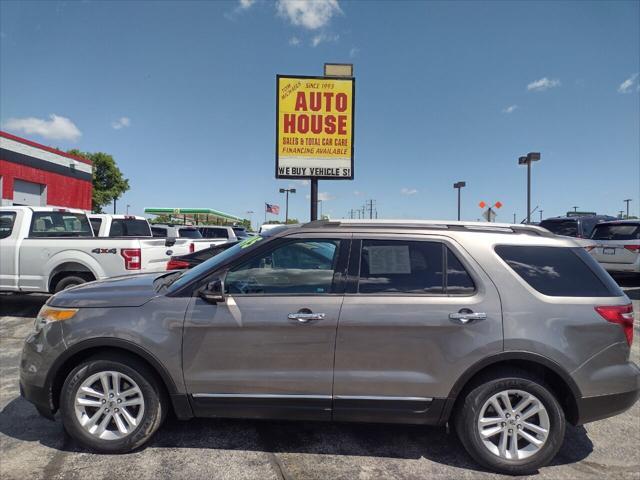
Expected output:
(47, 250)
(617, 246)
(189, 232)
(106, 225)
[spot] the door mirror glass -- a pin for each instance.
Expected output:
(213, 292)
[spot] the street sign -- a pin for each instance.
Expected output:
(314, 127)
(489, 215)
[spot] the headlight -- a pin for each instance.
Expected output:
(49, 314)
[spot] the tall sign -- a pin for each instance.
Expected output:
(314, 127)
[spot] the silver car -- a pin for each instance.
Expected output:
(503, 331)
(617, 246)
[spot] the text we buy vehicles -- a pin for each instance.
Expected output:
(50, 249)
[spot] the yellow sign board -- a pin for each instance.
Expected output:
(314, 127)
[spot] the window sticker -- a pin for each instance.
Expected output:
(389, 259)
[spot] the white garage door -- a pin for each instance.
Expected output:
(28, 193)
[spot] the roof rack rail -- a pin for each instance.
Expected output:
(434, 225)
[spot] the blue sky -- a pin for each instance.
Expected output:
(183, 95)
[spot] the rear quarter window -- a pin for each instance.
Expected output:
(7, 219)
(559, 271)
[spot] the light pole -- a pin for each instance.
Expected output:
(250, 215)
(575, 209)
(128, 208)
(286, 208)
(459, 185)
(540, 215)
(531, 157)
(627, 200)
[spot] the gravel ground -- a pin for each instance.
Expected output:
(35, 448)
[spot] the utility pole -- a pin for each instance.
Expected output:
(287, 191)
(458, 186)
(541, 216)
(620, 214)
(370, 207)
(527, 160)
(627, 200)
(128, 208)
(114, 205)
(514, 218)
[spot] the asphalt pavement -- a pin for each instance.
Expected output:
(35, 448)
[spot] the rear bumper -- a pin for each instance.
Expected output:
(591, 409)
(621, 267)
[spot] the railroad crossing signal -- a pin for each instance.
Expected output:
(489, 214)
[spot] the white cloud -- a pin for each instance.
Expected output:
(627, 85)
(509, 109)
(294, 41)
(324, 37)
(310, 14)
(543, 84)
(56, 128)
(408, 191)
(245, 4)
(303, 182)
(357, 193)
(354, 52)
(122, 122)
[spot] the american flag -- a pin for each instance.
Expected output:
(272, 208)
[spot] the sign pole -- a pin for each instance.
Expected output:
(314, 198)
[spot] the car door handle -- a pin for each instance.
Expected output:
(465, 316)
(304, 317)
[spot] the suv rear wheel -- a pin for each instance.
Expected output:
(512, 424)
(110, 406)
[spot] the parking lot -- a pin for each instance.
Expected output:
(34, 447)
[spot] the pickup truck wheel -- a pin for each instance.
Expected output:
(111, 407)
(68, 282)
(512, 425)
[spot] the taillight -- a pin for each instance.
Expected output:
(620, 314)
(192, 247)
(633, 248)
(132, 258)
(174, 264)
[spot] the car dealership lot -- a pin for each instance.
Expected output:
(33, 447)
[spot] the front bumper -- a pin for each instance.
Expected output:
(39, 353)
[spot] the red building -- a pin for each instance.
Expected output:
(36, 175)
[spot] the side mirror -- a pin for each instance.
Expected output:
(170, 241)
(213, 292)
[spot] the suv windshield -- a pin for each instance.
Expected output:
(568, 228)
(618, 231)
(188, 275)
(60, 224)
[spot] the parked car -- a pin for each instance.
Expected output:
(224, 232)
(241, 232)
(504, 331)
(196, 240)
(190, 260)
(106, 225)
(617, 246)
(574, 226)
(268, 226)
(46, 249)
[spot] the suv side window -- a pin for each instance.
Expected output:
(415, 267)
(299, 266)
(559, 271)
(95, 224)
(7, 219)
(159, 232)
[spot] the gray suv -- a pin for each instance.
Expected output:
(502, 331)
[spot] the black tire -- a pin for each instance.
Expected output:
(469, 410)
(68, 282)
(155, 402)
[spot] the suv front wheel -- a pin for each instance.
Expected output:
(512, 424)
(111, 406)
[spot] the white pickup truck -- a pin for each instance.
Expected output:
(107, 225)
(49, 249)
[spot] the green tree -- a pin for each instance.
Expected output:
(108, 181)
